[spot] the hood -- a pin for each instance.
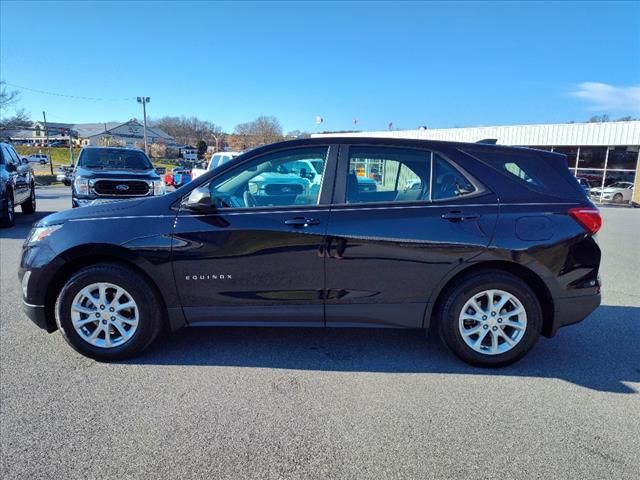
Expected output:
(136, 206)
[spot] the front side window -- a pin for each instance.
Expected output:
(266, 181)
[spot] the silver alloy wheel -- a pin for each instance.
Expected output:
(493, 322)
(104, 315)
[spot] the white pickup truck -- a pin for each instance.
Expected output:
(217, 159)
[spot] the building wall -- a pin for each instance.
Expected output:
(558, 134)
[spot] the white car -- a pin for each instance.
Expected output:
(619, 192)
(217, 159)
(40, 158)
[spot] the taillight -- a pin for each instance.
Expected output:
(589, 218)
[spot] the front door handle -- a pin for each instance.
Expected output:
(458, 216)
(301, 222)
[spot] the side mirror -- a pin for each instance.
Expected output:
(199, 199)
(25, 161)
(11, 167)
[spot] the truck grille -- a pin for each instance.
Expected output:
(121, 188)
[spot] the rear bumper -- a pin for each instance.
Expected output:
(36, 314)
(568, 311)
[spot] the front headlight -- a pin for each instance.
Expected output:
(81, 186)
(40, 233)
(159, 187)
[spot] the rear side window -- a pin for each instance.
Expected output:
(539, 171)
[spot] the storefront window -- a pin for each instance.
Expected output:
(623, 158)
(592, 157)
(593, 177)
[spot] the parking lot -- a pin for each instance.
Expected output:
(334, 403)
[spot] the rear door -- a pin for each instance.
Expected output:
(402, 219)
(252, 255)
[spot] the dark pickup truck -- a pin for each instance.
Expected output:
(107, 174)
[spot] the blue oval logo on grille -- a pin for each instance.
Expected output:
(122, 187)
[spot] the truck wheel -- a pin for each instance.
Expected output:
(108, 312)
(490, 319)
(30, 205)
(7, 213)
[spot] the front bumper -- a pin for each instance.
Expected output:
(37, 315)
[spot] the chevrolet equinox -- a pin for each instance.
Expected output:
(493, 246)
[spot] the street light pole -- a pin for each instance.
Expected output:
(144, 101)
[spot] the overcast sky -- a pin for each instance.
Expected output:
(433, 64)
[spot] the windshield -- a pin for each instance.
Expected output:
(109, 158)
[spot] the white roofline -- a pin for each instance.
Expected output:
(552, 134)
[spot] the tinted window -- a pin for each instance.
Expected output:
(388, 175)
(113, 159)
(267, 181)
(537, 170)
(448, 182)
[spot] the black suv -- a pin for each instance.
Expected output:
(107, 174)
(491, 245)
(17, 185)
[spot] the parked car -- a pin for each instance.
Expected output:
(177, 177)
(619, 192)
(40, 158)
(497, 249)
(64, 174)
(108, 174)
(17, 185)
(217, 159)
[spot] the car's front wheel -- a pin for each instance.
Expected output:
(108, 312)
(490, 319)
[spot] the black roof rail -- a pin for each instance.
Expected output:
(488, 141)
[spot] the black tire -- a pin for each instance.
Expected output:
(43, 162)
(150, 315)
(30, 205)
(617, 198)
(458, 295)
(8, 211)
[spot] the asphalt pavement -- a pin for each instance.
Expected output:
(325, 403)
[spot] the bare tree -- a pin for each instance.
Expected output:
(189, 131)
(263, 130)
(8, 100)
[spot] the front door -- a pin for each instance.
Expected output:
(402, 220)
(247, 244)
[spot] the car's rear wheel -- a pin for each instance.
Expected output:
(617, 198)
(30, 205)
(108, 312)
(7, 213)
(490, 319)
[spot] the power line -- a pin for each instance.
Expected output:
(54, 94)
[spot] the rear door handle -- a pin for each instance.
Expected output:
(458, 216)
(301, 222)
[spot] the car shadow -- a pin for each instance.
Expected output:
(601, 353)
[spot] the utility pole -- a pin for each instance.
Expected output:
(144, 101)
(46, 140)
